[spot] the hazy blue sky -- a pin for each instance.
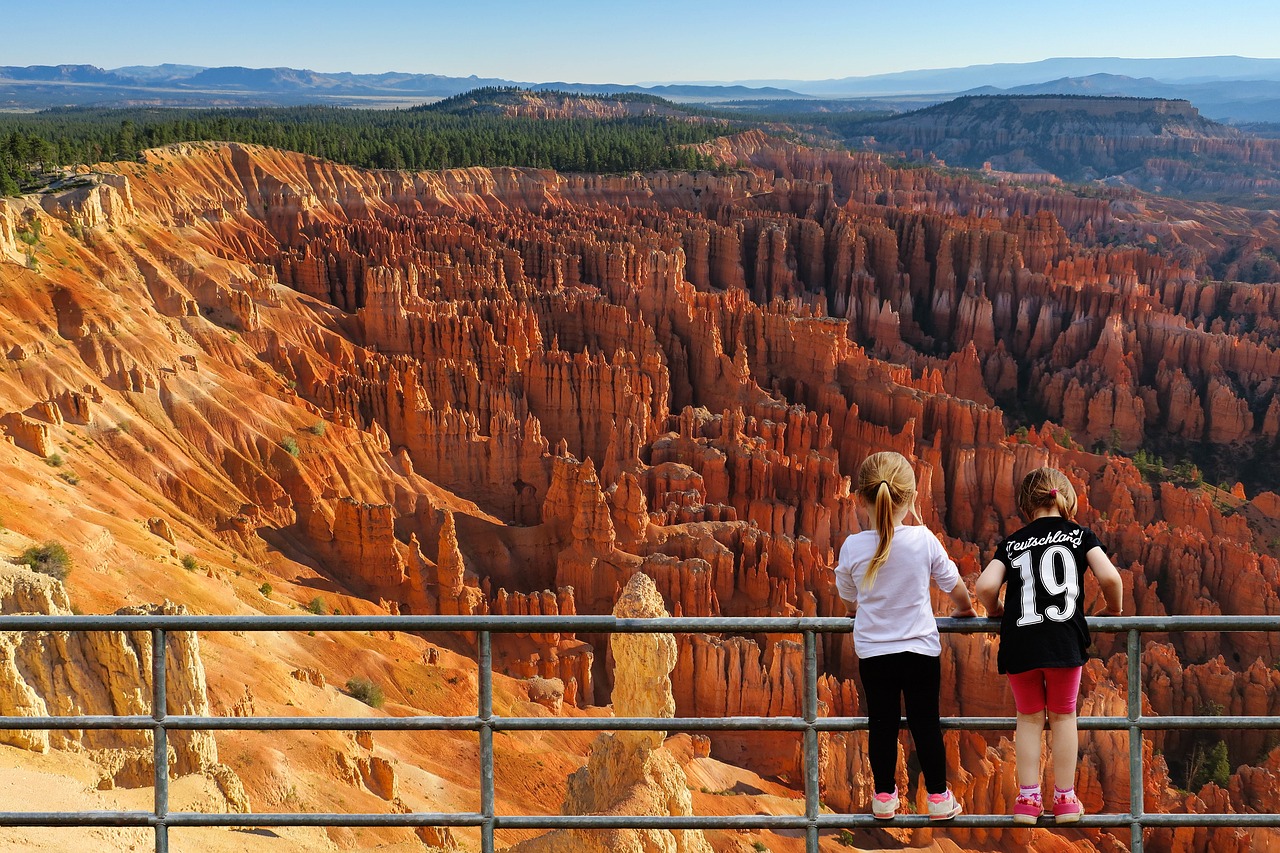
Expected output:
(578, 40)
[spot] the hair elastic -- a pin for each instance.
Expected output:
(1053, 492)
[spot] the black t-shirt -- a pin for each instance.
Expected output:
(1044, 618)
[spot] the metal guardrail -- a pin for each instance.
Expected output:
(486, 723)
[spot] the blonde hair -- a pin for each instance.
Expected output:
(886, 483)
(1044, 488)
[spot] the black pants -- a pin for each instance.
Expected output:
(888, 679)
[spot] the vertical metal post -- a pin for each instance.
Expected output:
(159, 737)
(485, 664)
(810, 710)
(1135, 744)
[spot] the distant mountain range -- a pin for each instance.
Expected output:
(1200, 69)
(1225, 88)
(43, 86)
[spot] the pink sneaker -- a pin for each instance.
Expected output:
(1027, 809)
(943, 806)
(1067, 809)
(885, 806)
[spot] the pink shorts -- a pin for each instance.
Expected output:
(1054, 687)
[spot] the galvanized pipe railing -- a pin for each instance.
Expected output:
(485, 723)
(160, 738)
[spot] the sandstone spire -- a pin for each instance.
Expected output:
(630, 773)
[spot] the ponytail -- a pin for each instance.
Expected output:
(883, 512)
(885, 483)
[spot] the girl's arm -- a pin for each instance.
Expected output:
(1108, 578)
(943, 571)
(988, 588)
(963, 604)
(846, 588)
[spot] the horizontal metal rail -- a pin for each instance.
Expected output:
(486, 723)
(597, 724)
(495, 624)
(475, 819)
(587, 624)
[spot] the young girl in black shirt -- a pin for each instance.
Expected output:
(1043, 635)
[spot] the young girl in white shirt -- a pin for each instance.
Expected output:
(883, 575)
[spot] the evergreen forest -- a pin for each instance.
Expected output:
(34, 145)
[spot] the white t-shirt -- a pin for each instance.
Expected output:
(896, 614)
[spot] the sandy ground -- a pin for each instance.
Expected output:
(66, 782)
(60, 781)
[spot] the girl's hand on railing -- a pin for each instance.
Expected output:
(996, 612)
(964, 612)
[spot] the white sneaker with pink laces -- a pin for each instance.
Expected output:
(885, 806)
(943, 806)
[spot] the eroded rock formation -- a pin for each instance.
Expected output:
(73, 673)
(511, 391)
(629, 773)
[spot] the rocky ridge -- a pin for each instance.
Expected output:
(1151, 143)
